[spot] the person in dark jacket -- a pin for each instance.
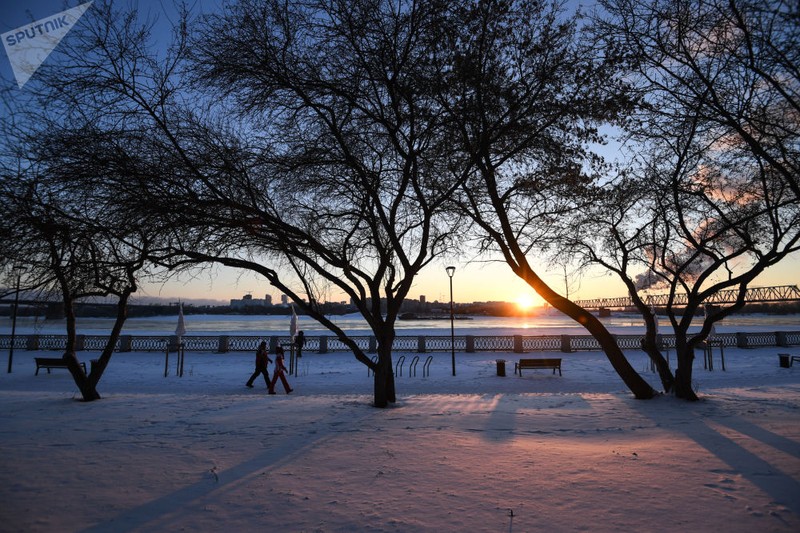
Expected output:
(280, 371)
(299, 342)
(262, 360)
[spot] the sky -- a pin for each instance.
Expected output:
(473, 281)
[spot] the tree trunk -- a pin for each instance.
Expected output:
(384, 378)
(96, 372)
(651, 343)
(683, 373)
(650, 347)
(87, 388)
(637, 385)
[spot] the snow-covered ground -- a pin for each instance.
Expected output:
(476, 452)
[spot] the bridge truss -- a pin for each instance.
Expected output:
(782, 293)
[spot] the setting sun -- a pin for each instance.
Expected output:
(524, 302)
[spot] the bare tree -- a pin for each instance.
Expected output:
(306, 150)
(343, 181)
(66, 248)
(61, 155)
(709, 198)
(525, 98)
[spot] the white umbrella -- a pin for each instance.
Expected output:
(713, 331)
(180, 331)
(293, 333)
(655, 316)
(293, 325)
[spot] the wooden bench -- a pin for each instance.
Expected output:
(52, 362)
(555, 364)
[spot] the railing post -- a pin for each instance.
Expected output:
(421, 344)
(566, 344)
(470, 343)
(33, 343)
(780, 339)
(224, 344)
(173, 343)
(517, 343)
(741, 340)
(373, 344)
(80, 343)
(323, 344)
(125, 343)
(273, 344)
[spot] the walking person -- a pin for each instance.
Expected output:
(299, 342)
(280, 371)
(262, 360)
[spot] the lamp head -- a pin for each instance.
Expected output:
(450, 270)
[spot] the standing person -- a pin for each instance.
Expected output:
(300, 341)
(280, 372)
(262, 360)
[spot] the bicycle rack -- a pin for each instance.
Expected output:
(426, 368)
(399, 364)
(413, 366)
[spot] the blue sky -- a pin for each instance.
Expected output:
(14, 15)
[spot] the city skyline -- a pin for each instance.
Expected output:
(472, 282)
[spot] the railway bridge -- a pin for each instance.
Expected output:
(781, 293)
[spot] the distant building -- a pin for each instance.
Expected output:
(284, 299)
(422, 298)
(248, 301)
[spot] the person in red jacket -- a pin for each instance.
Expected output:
(280, 371)
(262, 360)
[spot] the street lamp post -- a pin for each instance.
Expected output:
(14, 323)
(450, 271)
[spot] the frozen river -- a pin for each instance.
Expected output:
(354, 324)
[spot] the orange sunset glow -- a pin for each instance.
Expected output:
(525, 302)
